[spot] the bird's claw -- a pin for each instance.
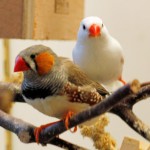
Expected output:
(38, 130)
(67, 118)
(123, 81)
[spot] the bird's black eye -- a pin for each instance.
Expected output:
(32, 56)
(102, 25)
(84, 27)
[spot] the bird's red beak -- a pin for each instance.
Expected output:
(20, 65)
(94, 30)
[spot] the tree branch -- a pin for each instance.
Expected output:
(134, 122)
(25, 132)
(125, 112)
(141, 95)
(94, 111)
(120, 103)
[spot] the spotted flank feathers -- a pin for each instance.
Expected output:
(84, 94)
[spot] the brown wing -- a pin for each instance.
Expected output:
(79, 78)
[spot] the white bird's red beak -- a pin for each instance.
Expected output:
(94, 30)
(20, 65)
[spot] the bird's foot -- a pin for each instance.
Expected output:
(123, 81)
(67, 118)
(38, 130)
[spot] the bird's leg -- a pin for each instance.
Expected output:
(38, 130)
(121, 80)
(66, 120)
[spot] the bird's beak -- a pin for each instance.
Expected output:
(20, 65)
(94, 30)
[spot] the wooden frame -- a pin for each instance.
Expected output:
(36, 19)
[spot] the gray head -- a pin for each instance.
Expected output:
(38, 59)
(43, 72)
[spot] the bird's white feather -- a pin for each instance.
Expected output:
(100, 57)
(56, 106)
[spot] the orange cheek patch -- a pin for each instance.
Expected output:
(44, 62)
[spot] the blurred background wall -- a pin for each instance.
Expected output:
(129, 22)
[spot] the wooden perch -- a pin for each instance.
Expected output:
(126, 94)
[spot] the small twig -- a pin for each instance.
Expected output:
(134, 122)
(145, 84)
(124, 110)
(141, 95)
(14, 91)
